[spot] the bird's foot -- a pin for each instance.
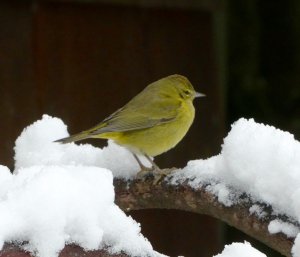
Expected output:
(144, 173)
(156, 172)
(160, 174)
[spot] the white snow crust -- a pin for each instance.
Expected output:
(277, 226)
(63, 193)
(35, 146)
(240, 250)
(256, 159)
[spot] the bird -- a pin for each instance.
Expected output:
(151, 123)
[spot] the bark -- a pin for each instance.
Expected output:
(137, 195)
(12, 250)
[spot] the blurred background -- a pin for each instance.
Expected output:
(80, 60)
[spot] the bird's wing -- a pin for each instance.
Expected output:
(132, 117)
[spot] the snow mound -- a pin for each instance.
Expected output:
(240, 250)
(35, 146)
(50, 206)
(62, 193)
(258, 159)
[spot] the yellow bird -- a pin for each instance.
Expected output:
(152, 122)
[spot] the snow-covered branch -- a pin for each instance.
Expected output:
(144, 194)
(61, 195)
(13, 250)
(137, 195)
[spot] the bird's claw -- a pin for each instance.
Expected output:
(144, 173)
(158, 174)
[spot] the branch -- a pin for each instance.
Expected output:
(13, 250)
(137, 195)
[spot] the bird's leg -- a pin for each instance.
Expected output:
(144, 170)
(157, 169)
(143, 167)
(154, 165)
(159, 174)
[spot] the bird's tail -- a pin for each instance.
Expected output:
(74, 138)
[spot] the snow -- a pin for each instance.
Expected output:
(61, 194)
(258, 211)
(240, 250)
(50, 206)
(35, 146)
(256, 159)
(296, 247)
(277, 226)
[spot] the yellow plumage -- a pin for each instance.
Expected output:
(153, 122)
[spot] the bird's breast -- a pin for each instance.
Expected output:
(161, 138)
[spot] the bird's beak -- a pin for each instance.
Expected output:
(199, 95)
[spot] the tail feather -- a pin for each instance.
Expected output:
(73, 138)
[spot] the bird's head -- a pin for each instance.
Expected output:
(183, 87)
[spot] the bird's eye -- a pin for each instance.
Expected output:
(187, 92)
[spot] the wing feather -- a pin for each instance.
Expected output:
(140, 115)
